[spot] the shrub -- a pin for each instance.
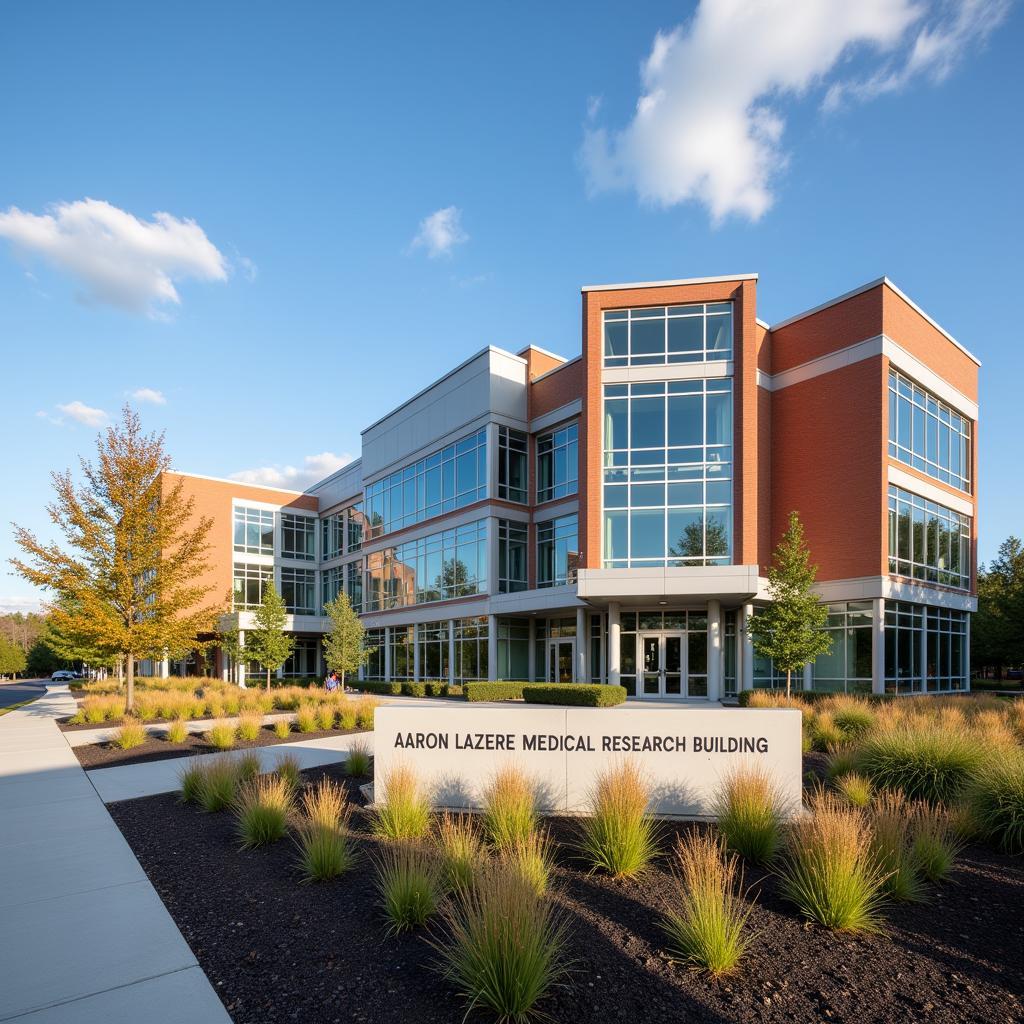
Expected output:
(261, 810)
(408, 882)
(492, 691)
(532, 859)
(364, 713)
(996, 802)
(855, 788)
(282, 728)
(437, 689)
(509, 808)
(177, 732)
(218, 785)
(190, 781)
(414, 689)
(404, 813)
(504, 947)
(221, 735)
(750, 812)
(619, 837)
(891, 846)
(324, 853)
(306, 719)
(385, 689)
(357, 763)
(588, 695)
(924, 762)
(461, 848)
(706, 921)
(830, 873)
(132, 733)
(249, 727)
(287, 768)
(325, 805)
(935, 845)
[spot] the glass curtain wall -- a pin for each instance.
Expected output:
(847, 667)
(558, 462)
(512, 544)
(660, 335)
(513, 446)
(298, 537)
(558, 551)
(928, 541)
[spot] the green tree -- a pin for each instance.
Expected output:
(997, 633)
(129, 580)
(42, 659)
(345, 645)
(691, 542)
(791, 630)
(12, 658)
(267, 642)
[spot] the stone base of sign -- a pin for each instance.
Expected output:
(685, 753)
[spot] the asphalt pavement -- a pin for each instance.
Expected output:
(20, 690)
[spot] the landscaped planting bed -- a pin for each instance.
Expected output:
(276, 949)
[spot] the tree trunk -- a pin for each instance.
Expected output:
(268, 680)
(129, 703)
(788, 675)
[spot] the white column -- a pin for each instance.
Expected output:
(878, 645)
(165, 667)
(582, 642)
(416, 669)
(967, 652)
(387, 654)
(746, 669)
(714, 650)
(924, 651)
(531, 672)
(614, 644)
(492, 647)
(808, 677)
(451, 650)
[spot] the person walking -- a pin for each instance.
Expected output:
(331, 682)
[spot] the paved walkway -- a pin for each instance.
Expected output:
(126, 782)
(83, 934)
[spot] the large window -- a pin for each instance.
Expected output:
(444, 481)
(512, 543)
(558, 551)
(402, 640)
(928, 541)
(470, 648)
(658, 335)
(512, 462)
(432, 638)
(356, 523)
(438, 567)
(298, 537)
(332, 536)
(927, 434)
(254, 531)
(847, 667)
(303, 659)
(332, 581)
(298, 591)
(248, 583)
(558, 463)
(513, 648)
(668, 473)
(373, 642)
(354, 585)
(925, 648)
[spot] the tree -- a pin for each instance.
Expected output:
(691, 542)
(267, 642)
(232, 646)
(791, 630)
(345, 645)
(42, 659)
(129, 581)
(997, 634)
(12, 658)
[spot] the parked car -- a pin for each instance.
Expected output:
(62, 675)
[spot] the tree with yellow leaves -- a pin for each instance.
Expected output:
(129, 580)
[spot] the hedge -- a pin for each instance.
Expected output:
(437, 689)
(588, 695)
(493, 691)
(370, 686)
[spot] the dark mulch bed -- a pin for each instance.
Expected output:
(65, 725)
(106, 755)
(277, 950)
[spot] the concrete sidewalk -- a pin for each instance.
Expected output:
(84, 935)
(126, 782)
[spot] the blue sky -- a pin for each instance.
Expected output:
(391, 187)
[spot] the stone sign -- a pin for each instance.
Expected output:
(684, 752)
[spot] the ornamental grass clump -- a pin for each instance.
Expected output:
(841, 761)
(305, 719)
(325, 717)
(408, 884)
(706, 921)
(177, 731)
(324, 853)
(935, 845)
(261, 811)
(532, 858)
(325, 804)
(825, 733)
(287, 769)
(346, 715)
(357, 764)
(852, 717)
(218, 784)
(856, 789)
(404, 812)
(750, 814)
(891, 845)
(503, 946)
(282, 728)
(132, 733)
(923, 761)
(830, 873)
(462, 849)
(190, 781)
(996, 803)
(365, 708)
(249, 726)
(619, 836)
(247, 767)
(510, 814)
(221, 735)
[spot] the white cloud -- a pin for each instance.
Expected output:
(11, 603)
(150, 395)
(440, 232)
(118, 259)
(708, 127)
(313, 469)
(80, 413)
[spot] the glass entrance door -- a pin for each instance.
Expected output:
(663, 665)
(561, 660)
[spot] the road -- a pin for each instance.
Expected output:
(20, 690)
